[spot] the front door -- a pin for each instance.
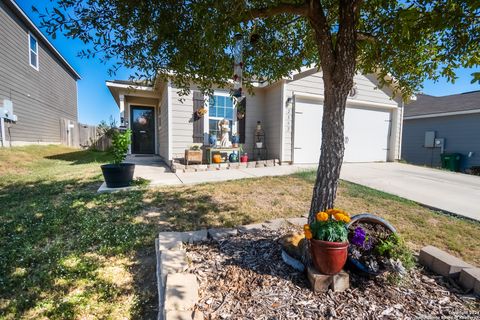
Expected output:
(143, 130)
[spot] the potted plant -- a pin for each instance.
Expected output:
(328, 236)
(118, 174)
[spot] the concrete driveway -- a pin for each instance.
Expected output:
(453, 192)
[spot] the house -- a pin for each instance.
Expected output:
(38, 87)
(289, 111)
(449, 124)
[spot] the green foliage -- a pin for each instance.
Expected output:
(120, 144)
(330, 230)
(403, 41)
(394, 247)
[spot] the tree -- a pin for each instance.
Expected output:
(402, 41)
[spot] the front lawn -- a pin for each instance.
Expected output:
(67, 252)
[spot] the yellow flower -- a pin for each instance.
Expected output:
(342, 217)
(306, 227)
(308, 234)
(322, 216)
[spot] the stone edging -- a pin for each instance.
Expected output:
(179, 167)
(444, 264)
(178, 290)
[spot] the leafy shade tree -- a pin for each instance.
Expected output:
(402, 41)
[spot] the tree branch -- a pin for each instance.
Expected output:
(365, 36)
(297, 9)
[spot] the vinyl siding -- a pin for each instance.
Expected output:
(182, 125)
(366, 91)
(163, 124)
(40, 98)
(273, 119)
(461, 133)
(255, 112)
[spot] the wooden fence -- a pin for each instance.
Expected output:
(75, 134)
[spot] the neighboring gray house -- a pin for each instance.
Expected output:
(290, 111)
(454, 118)
(35, 80)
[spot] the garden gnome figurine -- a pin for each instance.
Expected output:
(224, 127)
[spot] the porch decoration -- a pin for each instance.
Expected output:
(194, 154)
(328, 236)
(237, 51)
(259, 146)
(200, 113)
(224, 128)
(118, 174)
(235, 140)
(233, 157)
(212, 139)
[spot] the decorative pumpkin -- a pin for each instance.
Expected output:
(217, 158)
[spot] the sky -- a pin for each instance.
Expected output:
(95, 102)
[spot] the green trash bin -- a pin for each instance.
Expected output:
(451, 161)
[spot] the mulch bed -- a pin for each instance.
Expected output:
(244, 277)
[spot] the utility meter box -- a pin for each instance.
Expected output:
(6, 110)
(429, 139)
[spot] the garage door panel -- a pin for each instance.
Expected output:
(366, 133)
(308, 131)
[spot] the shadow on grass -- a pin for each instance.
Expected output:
(82, 157)
(57, 238)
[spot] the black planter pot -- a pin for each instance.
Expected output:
(118, 175)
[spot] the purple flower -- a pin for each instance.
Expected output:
(358, 237)
(368, 244)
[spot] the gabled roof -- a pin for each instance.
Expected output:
(33, 28)
(427, 105)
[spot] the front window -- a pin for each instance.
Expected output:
(33, 51)
(221, 107)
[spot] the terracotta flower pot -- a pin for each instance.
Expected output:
(328, 257)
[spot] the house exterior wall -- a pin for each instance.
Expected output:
(461, 133)
(163, 124)
(182, 122)
(367, 91)
(273, 119)
(40, 97)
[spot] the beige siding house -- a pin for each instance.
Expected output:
(35, 80)
(290, 111)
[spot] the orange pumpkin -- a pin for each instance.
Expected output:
(217, 158)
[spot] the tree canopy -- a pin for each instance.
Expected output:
(408, 40)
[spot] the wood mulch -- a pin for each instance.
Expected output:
(244, 277)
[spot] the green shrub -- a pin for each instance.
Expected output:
(120, 144)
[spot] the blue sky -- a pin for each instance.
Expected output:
(95, 102)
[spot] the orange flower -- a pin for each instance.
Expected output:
(322, 216)
(308, 234)
(342, 217)
(306, 227)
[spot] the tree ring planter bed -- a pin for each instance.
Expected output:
(243, 276)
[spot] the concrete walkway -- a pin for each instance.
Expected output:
(453, 192)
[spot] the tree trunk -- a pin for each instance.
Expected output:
(332, 149)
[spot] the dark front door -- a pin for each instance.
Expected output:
(143, 130)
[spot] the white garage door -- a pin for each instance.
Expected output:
(366, 133)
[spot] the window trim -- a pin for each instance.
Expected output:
(30, 36)
(234, 116)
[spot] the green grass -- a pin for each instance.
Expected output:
(67, 252)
